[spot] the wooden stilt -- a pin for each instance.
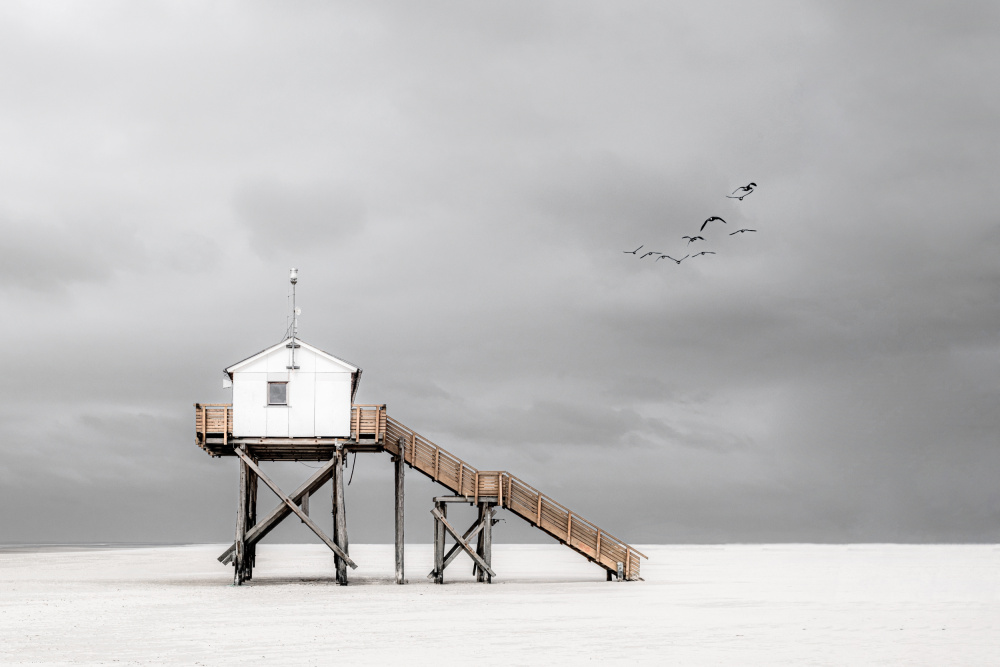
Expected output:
(487, 534)
(441, 511)
(480, 544)
(241, 526)
(250, 548)
(340, 519)
(400, 488)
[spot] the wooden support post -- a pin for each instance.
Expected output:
(440, 513)
(241, 526)
(480, 544)
(250, 548)
(304, 504)
(340, 517)
(488, 543)
(400, 487)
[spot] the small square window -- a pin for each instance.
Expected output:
(277, 393)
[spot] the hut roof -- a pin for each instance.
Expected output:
(354, 370)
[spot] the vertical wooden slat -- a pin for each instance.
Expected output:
(598, 545)
(569, 528)
(437, 462)
(477, 486)
(628, 563)
(538, 512)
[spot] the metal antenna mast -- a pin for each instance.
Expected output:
(293, 276)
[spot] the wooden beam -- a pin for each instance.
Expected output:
(251, 548)
(440, 511)
(400, 488)
(458, 539)
(488, 543)
(265, 526)
(480, 544)
(340, 516)
(241, 524)
(295, 508)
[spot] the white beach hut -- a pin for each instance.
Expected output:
(292, 390)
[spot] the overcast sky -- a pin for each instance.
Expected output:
(456, 183)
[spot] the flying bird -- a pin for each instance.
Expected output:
(740, 231)
(632, 252)
(705, 252)
(650, 253)
(693, 238)
(714, 217)
(676, 260)
(745, 190)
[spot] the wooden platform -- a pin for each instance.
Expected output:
(374, 431)
(214, 428)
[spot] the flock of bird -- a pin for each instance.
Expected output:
(738, 193)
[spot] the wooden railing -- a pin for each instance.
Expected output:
(513, 494)
(216, 419)
(368, 422)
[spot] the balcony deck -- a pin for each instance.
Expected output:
(214, 434)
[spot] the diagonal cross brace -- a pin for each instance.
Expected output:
(457, 548)
(278, 514)
(295, 508)
(461, 542)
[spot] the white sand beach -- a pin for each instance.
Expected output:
(699, 605)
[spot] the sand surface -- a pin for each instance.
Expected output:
(700, 605)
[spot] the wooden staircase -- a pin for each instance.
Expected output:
(527, 502)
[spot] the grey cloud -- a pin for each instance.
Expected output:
(298, 218)
(48, 256)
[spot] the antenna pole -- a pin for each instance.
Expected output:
(293, 276)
